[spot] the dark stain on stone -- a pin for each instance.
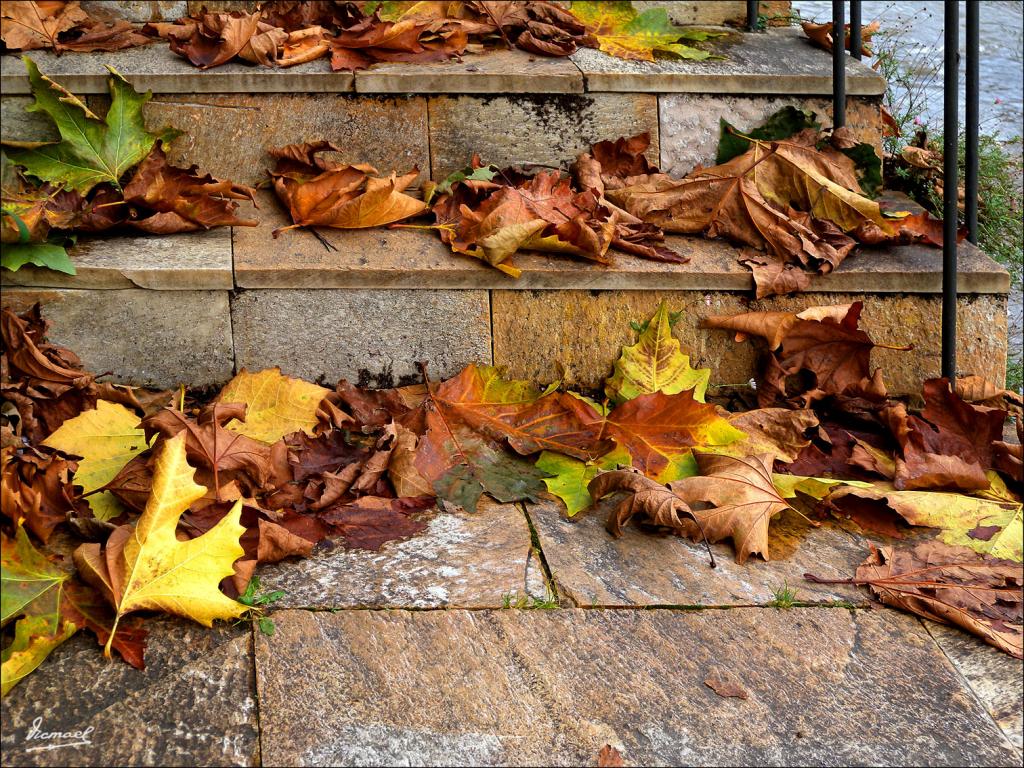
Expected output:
(384, 379)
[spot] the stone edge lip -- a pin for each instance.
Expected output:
(630, 77)
(979, 275)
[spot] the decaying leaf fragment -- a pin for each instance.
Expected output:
(321, 192)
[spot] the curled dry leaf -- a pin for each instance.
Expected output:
(822, 342)
(45, 382)
(169, 199)
(821, 35)
(35, 490)
(951, 585)
(609, 757)
(543, 213)
(648, 499)
(27, 25)
(320, 192)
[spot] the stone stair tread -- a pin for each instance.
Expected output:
(188, 261)
(778, 62)
(407, 258)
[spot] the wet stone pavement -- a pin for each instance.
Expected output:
(412, 655)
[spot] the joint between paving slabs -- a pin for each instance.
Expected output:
(550, 585)
(965, 683)
(254, 658)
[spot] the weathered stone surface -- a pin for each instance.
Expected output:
(139, 10)
(593, 568)
(709, 13)
(192, 261)
(576, 336)
(690, 123)
(228, 135)
(825, 687)
(497, 71)
(995, 677)
(194, 704)
(18, 125)
(148, 338)
(462, 560)
(780, 61)
(383, 258)
(155, 68)
(511, 130)
(372, 337)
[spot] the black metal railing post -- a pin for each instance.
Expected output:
(951, 135)
(838, 63)
(752, 13)
(856, 43)
(971, 123)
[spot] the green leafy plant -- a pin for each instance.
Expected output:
(253, 598)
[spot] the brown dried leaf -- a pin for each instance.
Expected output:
(653, 502)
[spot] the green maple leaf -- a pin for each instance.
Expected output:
(32, 593)
(91, 151)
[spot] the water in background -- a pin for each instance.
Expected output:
(918, 29)
(918, 26)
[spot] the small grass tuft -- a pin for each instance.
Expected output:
(783, 597)
(529, 602)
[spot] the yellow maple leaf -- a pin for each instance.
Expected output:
(277, 405)
(106, 438)
(158, 572)
(655, 364)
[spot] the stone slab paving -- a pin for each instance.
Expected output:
(147, 338)
(552, 335)
(194, 704)
(372, 337)
(780, 61)
(995, 677)
(462, 560)
(824, 686)
(191, 261)
(590, 567)
(497, 71)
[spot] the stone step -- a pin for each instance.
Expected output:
(507, 106)
(195, 308)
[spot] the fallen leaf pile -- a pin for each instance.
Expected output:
(357, 35)
(272, 466)
(64, 26)
(103, 173)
